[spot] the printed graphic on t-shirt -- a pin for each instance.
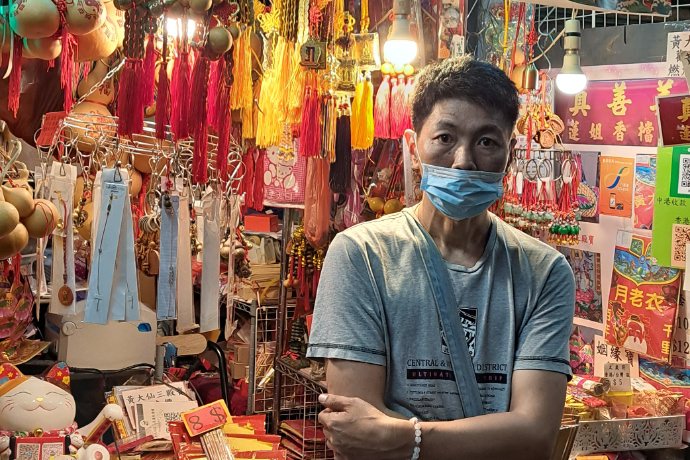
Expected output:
(468, 319)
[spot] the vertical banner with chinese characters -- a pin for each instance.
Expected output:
(671, 230)
(616, 191)
(643, 200)
(615, 112)
(643, 300)
(588, 190)
(676, 43)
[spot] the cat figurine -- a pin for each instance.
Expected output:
(31, 406)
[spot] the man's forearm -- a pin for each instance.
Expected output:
(501, 436)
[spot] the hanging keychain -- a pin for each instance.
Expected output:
(167, 278)
(62, 178)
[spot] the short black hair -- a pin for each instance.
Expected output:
(466, 79)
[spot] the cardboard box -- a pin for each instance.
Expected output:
(241, 354)
(261, 223)
(239, 371)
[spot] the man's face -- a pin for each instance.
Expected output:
(459, 134)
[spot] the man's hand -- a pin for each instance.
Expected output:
(355, 429)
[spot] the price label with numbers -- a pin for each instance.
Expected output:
(619, 376)
(206, 418)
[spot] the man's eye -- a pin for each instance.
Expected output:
(486, 142)
(443, 138)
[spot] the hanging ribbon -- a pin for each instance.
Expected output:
(113, 288)
(62, 180)
(185, 298)
(210, 274)
(166, 298)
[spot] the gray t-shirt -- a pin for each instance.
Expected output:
(516, 306)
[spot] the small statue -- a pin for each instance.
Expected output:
(37, 409)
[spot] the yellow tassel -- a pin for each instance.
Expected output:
(363, 115)
(355, 120)
(241, 92)
(273, 97)
(296, 89)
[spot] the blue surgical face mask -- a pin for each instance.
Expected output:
(460, 194)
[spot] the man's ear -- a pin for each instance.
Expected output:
(411, 139)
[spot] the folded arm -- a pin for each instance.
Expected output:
(527, 431)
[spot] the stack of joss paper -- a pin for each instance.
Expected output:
(246, 436)
(303, 439)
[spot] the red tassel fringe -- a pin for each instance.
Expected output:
(382, 105)
(310, 127)
(67, 67)
(409, 88)
(199, 120)
(15, 84)
(130, 101)
(214, 88)
(258, 190)
(398, 108)
(149, 78)
(179, 120)
(222, 125)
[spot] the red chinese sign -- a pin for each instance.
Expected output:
(674, 118)
(642, 302)
(615, 112)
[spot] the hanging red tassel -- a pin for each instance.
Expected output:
(223, 128)
(199, 119)
(130, 103)
(67, 58)
(179, 120)
(258, 190)
(382, 127)
(409, 88)
(214, 88)
(310, 127)
(148, 81)
(15, 84)
(398, 108)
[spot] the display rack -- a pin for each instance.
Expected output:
(629, 434)
(299, 410)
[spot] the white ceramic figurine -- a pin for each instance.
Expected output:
(31, 406)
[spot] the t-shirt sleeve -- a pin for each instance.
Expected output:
(543, 342)
(347, 323)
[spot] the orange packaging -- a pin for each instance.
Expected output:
(261, 223)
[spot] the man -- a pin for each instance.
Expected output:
(443, 312)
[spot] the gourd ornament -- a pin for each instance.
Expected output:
(31, 406)
(84, 16)
(47, 49)
(9, 217)
(34, 18)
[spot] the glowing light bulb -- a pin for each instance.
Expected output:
(174, 27)
(400, 52)
(571, 83)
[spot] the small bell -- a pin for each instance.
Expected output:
(529, 78)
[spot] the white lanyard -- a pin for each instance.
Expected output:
(233, 218)
(113, 290)
(185, 296)
(167, 277)
(210, 274)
